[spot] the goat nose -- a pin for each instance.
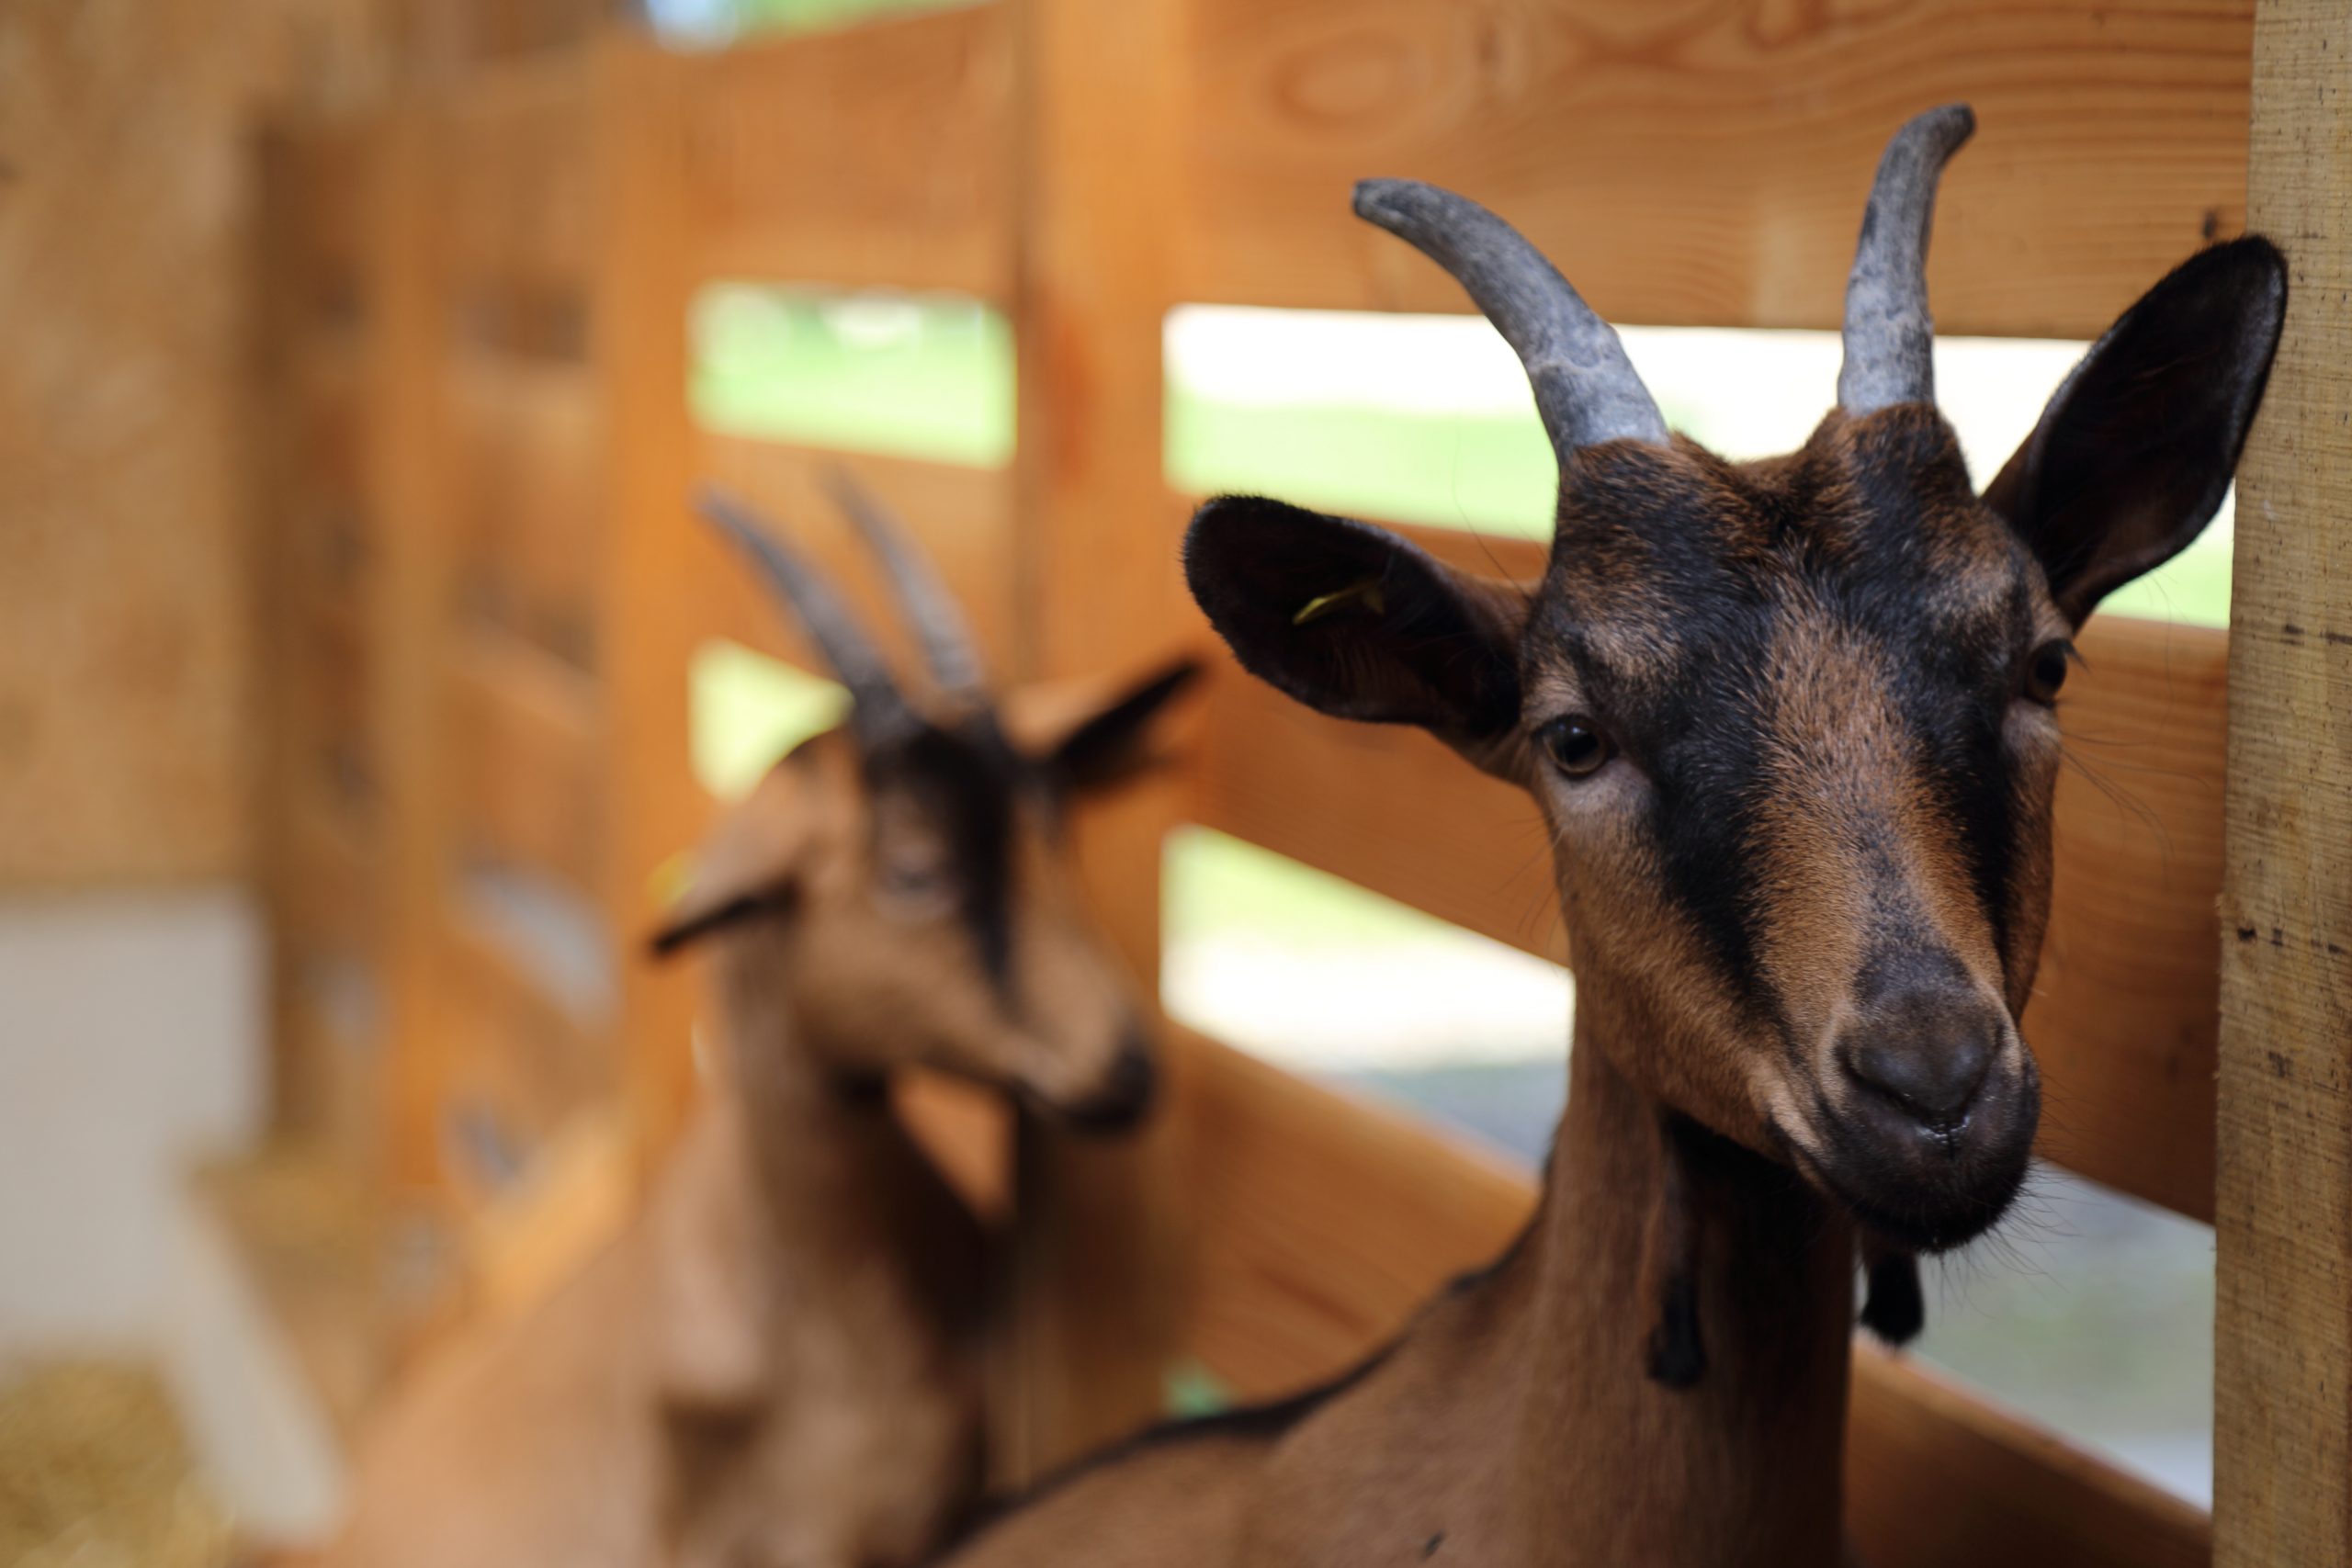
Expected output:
(1927, 1051)
(1936, 1083)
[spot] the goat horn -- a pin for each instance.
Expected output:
(878, 709)
(1890, 341)
(930, 609)
(1586, 389)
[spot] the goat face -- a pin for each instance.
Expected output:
(901, 888)
(1790, 723)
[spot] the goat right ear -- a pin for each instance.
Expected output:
(2135, 451)
(746, 868)
(1357, 623)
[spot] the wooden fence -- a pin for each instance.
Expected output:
(487, 590)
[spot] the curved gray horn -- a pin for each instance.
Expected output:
(1890, 341)
(1586, 388)
(878, 711)
(930, 609)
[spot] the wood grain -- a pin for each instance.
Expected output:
(1096, 156)
(523, 782)
(653, 807)
(521, 201)
(2282, 1437)
(2123, 1016)
(1705, 162)
(872, 156)
(526, 495)
(1322, 1223)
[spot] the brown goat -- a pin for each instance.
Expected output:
(777, 1362)
(1790, 725)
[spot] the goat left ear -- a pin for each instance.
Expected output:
(1113, 744)
(746, 867)
(2136, 449)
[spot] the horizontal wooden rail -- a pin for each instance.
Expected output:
(519, 203)
(1707, 165)
(961, 516)
(1321, 1223)
(514, 1053)
(877, 155)
(2123, 1015)
(524, 464)
(524, 768)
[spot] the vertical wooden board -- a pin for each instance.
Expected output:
(2283, 1324)
(1097, 1226)
(653, 809)
(1706, 164)
(873, 154)
(407, 599)
(523, 209)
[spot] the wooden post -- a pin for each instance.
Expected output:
(652, 808)
(409, 617)
(2282, 1437)
(1100, 590)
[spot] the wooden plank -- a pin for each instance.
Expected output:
(536, 1057)
(1096, 1242)
(1708, 165)
(1323, 1222)
(2124, 1014)
(522, 200)
(961, 516)
(872, 155)
(523, 785)
(653, 807)
(2282, 1437)
(1938, 1479)
(407, 609)
(2125, 1010)
(526, 495)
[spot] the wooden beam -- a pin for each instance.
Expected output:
(1097, 87)
(1707, 165)
(408, 612)
(872, 155)
(2282, 1437)
(654, 809)
(522, 784)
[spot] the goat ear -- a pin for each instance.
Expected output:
(1113, 743)
(1358, 624)
(747, 867)
(2136, 449)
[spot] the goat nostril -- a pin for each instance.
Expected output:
(1934, 1080)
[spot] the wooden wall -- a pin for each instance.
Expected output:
(1084, 166)
(125, 204)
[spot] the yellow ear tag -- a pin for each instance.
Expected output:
(1368, 590)
(669, 880)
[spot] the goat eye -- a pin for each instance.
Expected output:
(1575, 744)
(2046, 672)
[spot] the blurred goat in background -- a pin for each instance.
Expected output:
(779, 1361)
